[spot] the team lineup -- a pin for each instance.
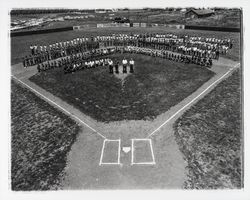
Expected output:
(79, 53)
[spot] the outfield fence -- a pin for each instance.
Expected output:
(109, 25)
(81, 27)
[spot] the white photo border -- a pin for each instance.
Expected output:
(6, 193)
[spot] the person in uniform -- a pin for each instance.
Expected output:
(59, 63)
(110, 63)
(178, 58)
(35, 49)
(131, 64)
(92, 64)
(117, 67)
(124, 64)
(174, 58)
(207, 63)
(32, 50)
(101, 62)
(217, 54)
(210, 61)
(86, 64)
(38, 68)
(97, 63)
(65, 69)
(106, 62)
(25, 61)
(74, 68)
(42, 67)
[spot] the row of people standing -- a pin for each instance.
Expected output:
(74, 59)
(70, 66)
(210, 47)
(114, 67)
(86, 64)
(90, 59)
(95, 59)
(203, 61)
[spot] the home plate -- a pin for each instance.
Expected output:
(126, 149)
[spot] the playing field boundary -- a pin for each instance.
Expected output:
(60, 107)
(194, 99)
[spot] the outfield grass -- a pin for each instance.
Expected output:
(210, 137)
(41, 139)
(156, 85)
(20, 45)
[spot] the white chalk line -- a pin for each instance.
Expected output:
(103, 145)
(132, 152)
(66, 111)
(119, 152)
(151, 149)
(152, 133)
(118, 155)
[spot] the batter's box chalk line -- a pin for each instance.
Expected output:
(133, 144)
(106, 142)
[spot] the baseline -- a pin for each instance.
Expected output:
(205, 90)
(60, 107)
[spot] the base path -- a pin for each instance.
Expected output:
(83, 170)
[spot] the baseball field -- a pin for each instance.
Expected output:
(168, 125)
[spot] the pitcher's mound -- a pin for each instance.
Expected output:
(122, 75)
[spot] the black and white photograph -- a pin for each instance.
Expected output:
(106, 97)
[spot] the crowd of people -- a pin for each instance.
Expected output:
(194, 59)
(72, 63)
(183, 48)
(88, 60)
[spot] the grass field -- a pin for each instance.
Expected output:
(20, 45)
(156, 85)
(210, 137)
(41, 139)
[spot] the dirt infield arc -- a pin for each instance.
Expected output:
(83, 169)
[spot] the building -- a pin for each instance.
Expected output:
(199, 13)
